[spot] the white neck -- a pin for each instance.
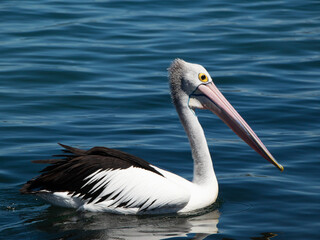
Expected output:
(203, 167)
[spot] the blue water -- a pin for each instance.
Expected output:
(93, 73)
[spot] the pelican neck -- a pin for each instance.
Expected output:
(203, 172)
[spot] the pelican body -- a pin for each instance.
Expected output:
(108, 180)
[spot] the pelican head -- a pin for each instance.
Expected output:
(192, 87)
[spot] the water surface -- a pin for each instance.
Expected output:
(94, 74)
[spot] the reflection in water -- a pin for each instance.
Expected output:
(265, 236)
(68, 224)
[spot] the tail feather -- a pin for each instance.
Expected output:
(26, 188)
(75, 151)
(46, 161)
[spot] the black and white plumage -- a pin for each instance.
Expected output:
(103, 179)
(98, 177)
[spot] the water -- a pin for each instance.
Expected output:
(92, 73)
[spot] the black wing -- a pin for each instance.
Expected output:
(68, 173)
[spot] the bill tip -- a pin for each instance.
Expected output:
(281, 168)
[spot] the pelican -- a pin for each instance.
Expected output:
(108, 180)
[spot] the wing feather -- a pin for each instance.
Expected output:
(103, 179)
(136, 188)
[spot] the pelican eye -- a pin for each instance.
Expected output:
(203, 77)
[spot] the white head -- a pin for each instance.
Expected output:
(186, 77)
(192, 87)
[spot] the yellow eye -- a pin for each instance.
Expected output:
(203, 77)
